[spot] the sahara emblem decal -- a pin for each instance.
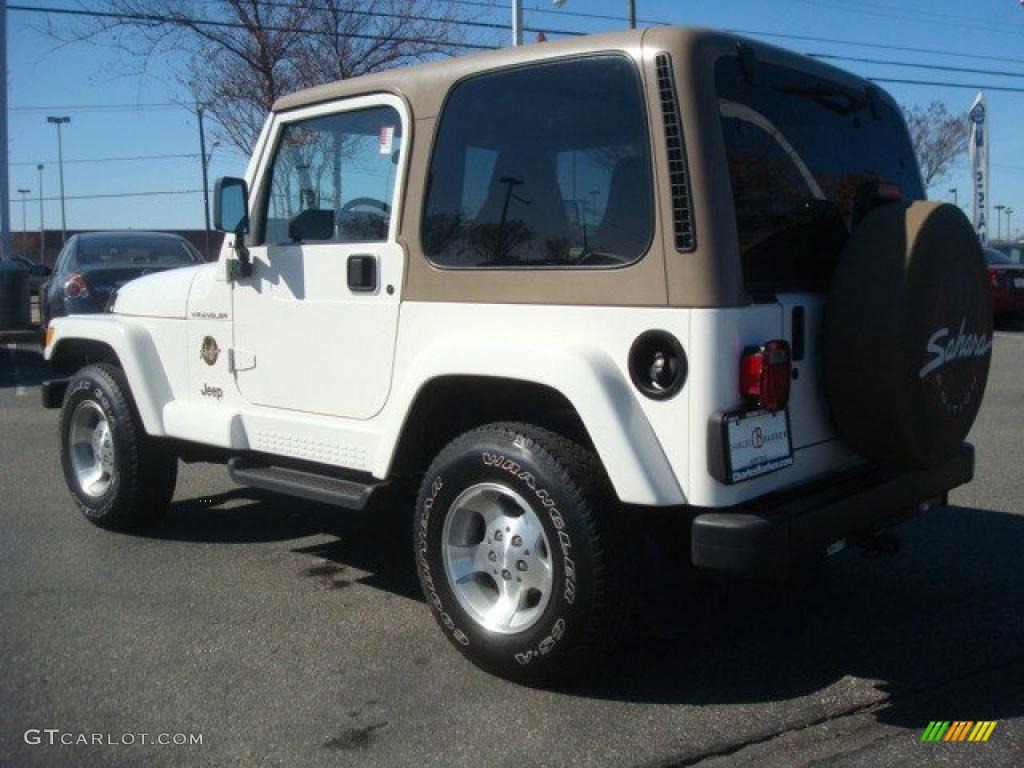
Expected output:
(209, 352)
(960, 346)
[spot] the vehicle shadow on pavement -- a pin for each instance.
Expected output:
(238, 516)
(377, 541)
(945, 608)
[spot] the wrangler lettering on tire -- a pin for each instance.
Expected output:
(520, 554)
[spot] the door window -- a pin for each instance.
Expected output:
(333, 179)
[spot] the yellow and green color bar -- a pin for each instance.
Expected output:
(958, 730)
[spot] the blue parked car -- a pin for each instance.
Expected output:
(95, 264)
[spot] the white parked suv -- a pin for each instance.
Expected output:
(577, 292)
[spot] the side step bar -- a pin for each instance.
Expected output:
(306, 485)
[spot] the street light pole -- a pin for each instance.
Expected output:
(42, 227)
(999, 221)
(517, 22)
(206, 184)
(59, 121)
(24, 216)
(1009, 232)
(953, 190)
(5, 181)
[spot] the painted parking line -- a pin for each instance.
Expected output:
(12, 348)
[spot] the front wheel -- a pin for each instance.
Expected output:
(119, 477)
(521, 554)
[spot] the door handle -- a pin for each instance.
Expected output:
(362, 272)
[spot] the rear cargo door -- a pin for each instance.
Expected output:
(803, 317)
(805, 153)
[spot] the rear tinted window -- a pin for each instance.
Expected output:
(97, 253)
(992, 256)
(542, 166)
(800, 148)
(1015, 253)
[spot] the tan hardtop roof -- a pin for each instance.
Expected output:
(418, 77)
(425, 85)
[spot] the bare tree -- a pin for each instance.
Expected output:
(939, 139)
(238, 56)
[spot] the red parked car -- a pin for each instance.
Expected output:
(1006, 277)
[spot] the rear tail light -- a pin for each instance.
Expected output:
(993, 277)
(76, 287)
(765, 374)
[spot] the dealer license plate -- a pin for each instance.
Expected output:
(1018, 282)
(758, 443)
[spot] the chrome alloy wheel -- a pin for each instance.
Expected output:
(497, 558)
(91, 448)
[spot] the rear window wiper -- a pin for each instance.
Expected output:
(823, 93)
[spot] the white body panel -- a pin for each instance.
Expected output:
(810, 420)
(164, 294)
(296, 300)
(151, 351)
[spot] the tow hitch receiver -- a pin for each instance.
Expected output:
(877, 545)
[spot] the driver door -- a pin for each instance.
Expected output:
(315, 323)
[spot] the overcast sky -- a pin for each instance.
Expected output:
(78, 80)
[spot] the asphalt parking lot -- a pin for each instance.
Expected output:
(292, 634)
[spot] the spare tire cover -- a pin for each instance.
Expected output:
(908, 335)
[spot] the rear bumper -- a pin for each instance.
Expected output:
(771, 535)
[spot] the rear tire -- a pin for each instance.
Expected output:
(119, 477)
(530, 522)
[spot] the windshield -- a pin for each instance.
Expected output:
(801, 153)
(119, 252)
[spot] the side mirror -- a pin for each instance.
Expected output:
(231, 206)
(311, 224)
(231, 214)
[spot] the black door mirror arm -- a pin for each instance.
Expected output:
(244, 260)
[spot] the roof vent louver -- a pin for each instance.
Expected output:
(679, 176)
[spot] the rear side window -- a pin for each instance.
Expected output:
(546, 165)
(801, 150)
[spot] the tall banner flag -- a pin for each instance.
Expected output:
(979, 165)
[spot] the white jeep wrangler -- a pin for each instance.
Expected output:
(569, 289)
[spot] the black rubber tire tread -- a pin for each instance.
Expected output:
(611, 543)
(147, 471)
